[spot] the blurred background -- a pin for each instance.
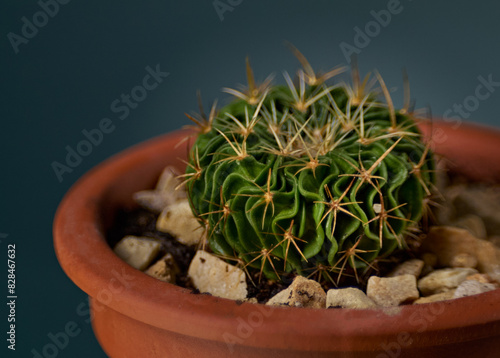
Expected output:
(67, 65)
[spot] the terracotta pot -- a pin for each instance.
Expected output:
(135, 315)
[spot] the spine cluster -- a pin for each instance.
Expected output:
(308, 178)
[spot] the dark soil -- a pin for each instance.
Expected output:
(142, 222)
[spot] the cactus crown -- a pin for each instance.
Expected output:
(308, 178)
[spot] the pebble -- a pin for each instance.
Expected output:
(463, 260)
(301, 293)
(495, 240)
(213, 275)
(473, 223)
(429, 259)
(164, 194)
(443, 296)
(458, 247)
(443, 280)
(165, 269)
(392, 291)
(461, 248)
(488, 257)
(430, 262)
(480, 277)
(411, 267)
(448, 244)
(483, 202)
(178, 220)
(251, 300)
(349, 297)
(282, 298)
(472, 287)
(138, 252)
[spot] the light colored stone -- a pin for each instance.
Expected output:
(463, 260)
(164, 194)
(430, 262)
(392, 291)
(443, 280)
(349, 297)
(447, 242)
(411, 267)
(426, 270)
(178, 219)
(473, 223)
(480, 277)
(488, 257)
(443, 296)
(495, 240)
(301, 293)
(165, 269)
(429, 259)
(251, 300)
(472, 287)
(213, 275)
(282, 298)
(138, 252)
(483, 201)
(447, 212)
(452, 245)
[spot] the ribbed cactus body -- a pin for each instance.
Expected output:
(308, 177)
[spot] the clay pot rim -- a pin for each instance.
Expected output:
(87, 259)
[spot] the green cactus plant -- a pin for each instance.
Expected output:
(308, 178)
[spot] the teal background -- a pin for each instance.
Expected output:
(65, 78)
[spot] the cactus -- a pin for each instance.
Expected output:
(307, 177)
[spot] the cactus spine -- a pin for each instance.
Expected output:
(308, 178)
